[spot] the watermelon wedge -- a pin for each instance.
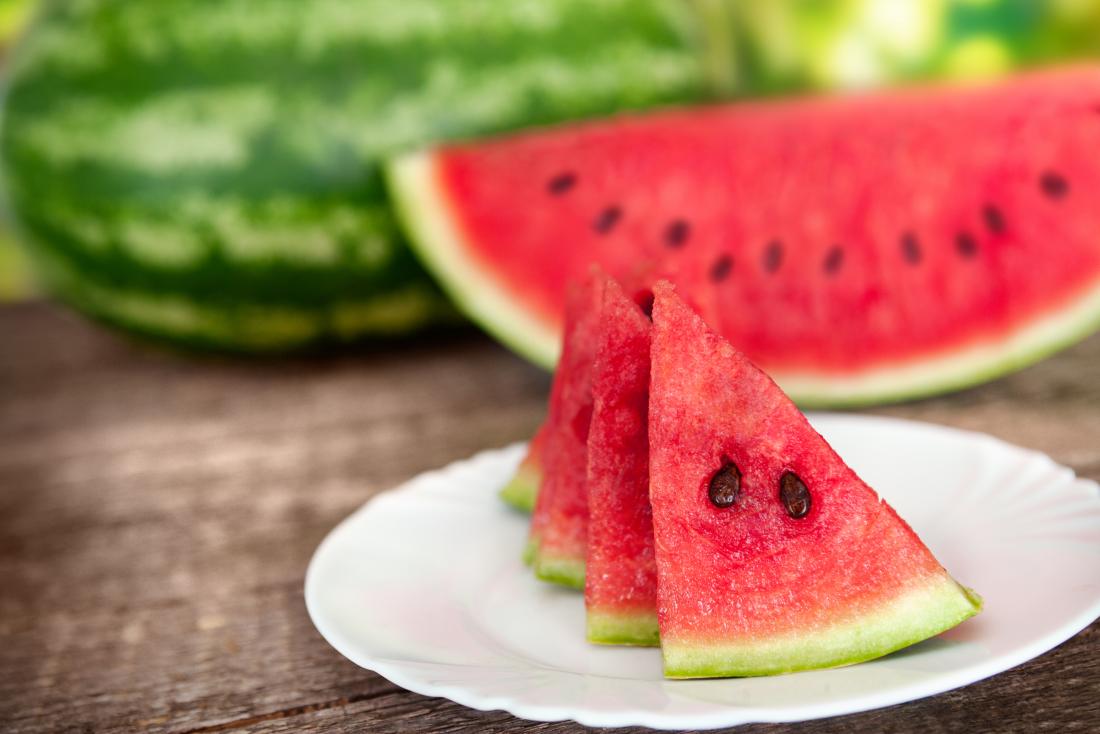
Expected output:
(772, 555)
(522, 489)
(859, 249)
(620, 592)
(559, 523)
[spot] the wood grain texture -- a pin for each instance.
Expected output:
(157, 512)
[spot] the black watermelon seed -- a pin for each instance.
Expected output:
(773, 256)
(1054, 185)
(994, 220)
(966, 245)
(644, 299)
(561, 183)
(676, 233)
(721, 268)
(607, 219)
(833, 260)
(910, 248)
(794, 495)
(725, 485)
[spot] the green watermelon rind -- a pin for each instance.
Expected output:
(555, 569)
(1060, 327)
(530, 552)
(243, 327)
(522, 490)
(908, 619)
(637, 628)
(562, 570)
(432, 225)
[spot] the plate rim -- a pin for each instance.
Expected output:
(732, 716)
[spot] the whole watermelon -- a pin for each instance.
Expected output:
(208, 170)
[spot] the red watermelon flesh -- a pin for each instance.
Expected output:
(620, 591)
(857, 248)
(809, 572)
(559, 522)
(522, 489)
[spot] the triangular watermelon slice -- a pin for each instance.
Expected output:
(858, 248)
(523, 488)
(772, 555)
(620, 591)
(559, 523)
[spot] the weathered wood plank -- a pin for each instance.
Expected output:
(157, 512)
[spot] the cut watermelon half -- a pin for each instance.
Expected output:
(620, 592)
(559, 523)
(858, 249)
(772, 555)
(523, 488)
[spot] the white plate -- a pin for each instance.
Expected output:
(424, 585)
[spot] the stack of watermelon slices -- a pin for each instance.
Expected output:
(699, 510)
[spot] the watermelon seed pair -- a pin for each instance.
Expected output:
(771, 260)
(725, 488)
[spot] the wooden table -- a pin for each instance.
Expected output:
(157, 512)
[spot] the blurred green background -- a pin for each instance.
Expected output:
(810, 44)
(16, 280)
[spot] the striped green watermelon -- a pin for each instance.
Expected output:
(208, 171)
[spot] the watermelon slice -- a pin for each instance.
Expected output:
(772, 555)
(559, 523)
(522, 489)
(858, 248)
(620, 590)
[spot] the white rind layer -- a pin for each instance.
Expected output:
(431, 225)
